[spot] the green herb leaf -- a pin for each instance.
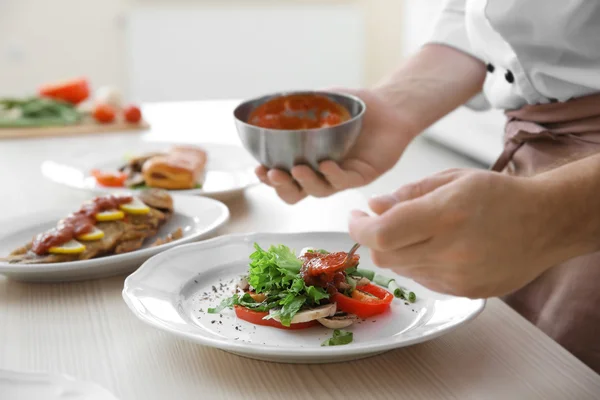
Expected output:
(290, 308)
(340, 337)
(316, 294)
(225, 303)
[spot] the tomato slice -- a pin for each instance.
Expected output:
(256, 317)
(366, 301)
(110, 179)
(73, 91)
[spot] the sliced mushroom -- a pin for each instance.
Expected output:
(363, 281)
(243, 284)
(338, 321)
(312, 314)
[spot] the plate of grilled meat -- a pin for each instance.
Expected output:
(108, 235)
(209, 170)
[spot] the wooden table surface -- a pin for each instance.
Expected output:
(85, 329)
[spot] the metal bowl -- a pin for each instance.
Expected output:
(283, 149)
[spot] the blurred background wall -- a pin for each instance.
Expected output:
(159, 50)
(172, 50)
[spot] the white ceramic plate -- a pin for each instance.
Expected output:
(42, 386)
(197, 216)
(172, 291)
(229, 170)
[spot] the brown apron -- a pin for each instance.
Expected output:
(564, 302)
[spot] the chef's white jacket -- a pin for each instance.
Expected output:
(536, 51)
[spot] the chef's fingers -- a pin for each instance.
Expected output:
(261, 173)
(310, 182)
(341, 178)
(411, 191)
(403, 261)
(404, 224)
(287, 189)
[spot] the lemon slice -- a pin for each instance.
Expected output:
(135, 207)
(71, 247)
(95, 234)
(110, 215)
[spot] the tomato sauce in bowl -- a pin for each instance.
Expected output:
(298, 112)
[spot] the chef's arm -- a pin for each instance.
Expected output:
(442, 76)
(432, 83)
(571, 193)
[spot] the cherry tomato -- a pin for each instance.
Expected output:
(73, 91)
(255, 317)
(132, 114)
(110, 179)
(104, 113)
(366, 301)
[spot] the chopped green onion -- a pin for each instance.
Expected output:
(350, 281)
(364, 273)
(382, 280)
(396, 290)
(351, 271)
(412, 297)
(340, 337)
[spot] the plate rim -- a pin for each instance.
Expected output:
(154, 263)
(185, 192)
(223, 218)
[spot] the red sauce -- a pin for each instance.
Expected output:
(325, 270)
(78, 223)
(299, 111)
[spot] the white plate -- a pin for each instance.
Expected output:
(197, 216)
(229, 170)
(170, 292)
(42, 386)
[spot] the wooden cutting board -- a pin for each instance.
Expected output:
(84, 128)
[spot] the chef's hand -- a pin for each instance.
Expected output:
(383, 139)
(463, 232)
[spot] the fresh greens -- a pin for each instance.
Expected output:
(401, 292)
(365, 273)
(340, 337)
(36, 112)
(276, 273)
(382, 280)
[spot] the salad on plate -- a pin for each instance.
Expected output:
(288, 291)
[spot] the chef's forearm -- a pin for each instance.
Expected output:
(571, 194)
(432, 83)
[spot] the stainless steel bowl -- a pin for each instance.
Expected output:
(283, 149)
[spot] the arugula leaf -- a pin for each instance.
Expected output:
(316, 294)
(290, 308)
(340, 337)
(225, 303)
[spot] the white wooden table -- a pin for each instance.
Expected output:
(84, 329)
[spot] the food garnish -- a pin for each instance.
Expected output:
(340, 337)
(286, 291)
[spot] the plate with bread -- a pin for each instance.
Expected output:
(209, 170)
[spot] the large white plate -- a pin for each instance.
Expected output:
(16, 385)
(172, 291)
(197, 216)
(229, 170)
